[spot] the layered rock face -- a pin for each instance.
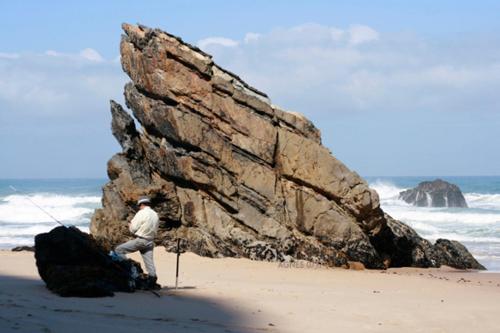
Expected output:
(437, 193)
(231, 173)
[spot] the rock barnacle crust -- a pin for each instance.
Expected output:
(233, 174)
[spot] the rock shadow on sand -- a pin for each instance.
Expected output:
(27, 306)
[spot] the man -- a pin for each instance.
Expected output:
(144, 226)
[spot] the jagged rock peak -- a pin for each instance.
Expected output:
(437, 193)
(231, 173)
(208, 77)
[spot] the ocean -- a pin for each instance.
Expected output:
(73, 201)
(477, 227)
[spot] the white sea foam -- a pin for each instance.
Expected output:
(386, 190)
(20, 220)
(425, 227)
(473, 217)
(463, 238)
(484, 201)
(11, 239)
(10, 242)
(429, 199)
(26, 231)
(18, 209)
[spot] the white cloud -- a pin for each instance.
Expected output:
(359, 34)
(251, 37)
(57, 83)
(314, 68)
(5, 55)
(310, 68)
(53, 53)
(220, 41)
(87, 54)
(337, 34)
(91, 54)
(54, 108)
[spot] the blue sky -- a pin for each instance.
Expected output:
(396, 87)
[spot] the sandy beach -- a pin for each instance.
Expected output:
(240, 295)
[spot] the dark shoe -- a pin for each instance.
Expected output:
(152, 283)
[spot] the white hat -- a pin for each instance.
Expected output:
(143, 200)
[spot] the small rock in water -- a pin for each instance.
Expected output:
(437, 193)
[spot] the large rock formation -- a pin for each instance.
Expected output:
(437, 193)
(231, 173)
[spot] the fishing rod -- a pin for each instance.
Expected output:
(36, 205)
(103, 256)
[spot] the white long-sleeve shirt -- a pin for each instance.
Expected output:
(145, 223)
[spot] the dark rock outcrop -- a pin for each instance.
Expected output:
(454, 254)
(231, 173)
(413, 250)
(71, 263)
(23, 248)
(437, 193)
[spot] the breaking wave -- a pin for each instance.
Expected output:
(21, 220)
(484, 201)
